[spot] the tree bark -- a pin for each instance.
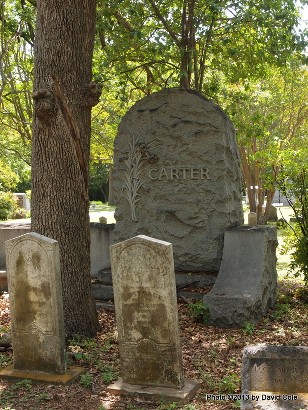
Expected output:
(64, 96)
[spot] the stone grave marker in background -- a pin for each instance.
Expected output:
(246, 285)
(37, 325)
(275, 377)
(147, 320)
(177, 176)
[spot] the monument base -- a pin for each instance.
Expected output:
(155, 393)
(9, 373)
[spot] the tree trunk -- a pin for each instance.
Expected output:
(64, 95)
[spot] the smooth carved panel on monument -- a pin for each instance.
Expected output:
(275, 377)
(146, 310)
(274, 374)
(36, 303)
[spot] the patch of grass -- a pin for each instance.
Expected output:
(210, 381)
(103, 207)
(107, 373)
(4, 360)
(281, 310)
(24, 384)
(44, 396)
(86, 380)
(248, 328)
(199, 311)
(229, 384)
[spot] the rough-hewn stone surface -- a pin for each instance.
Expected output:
(275, 377)
(177, 176)
(246, 286)
(146, 311)
(34, 280)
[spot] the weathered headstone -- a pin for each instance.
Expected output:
(275, 377)
(246, 285)
(35, 290)
(147, 320)
(252, 219)
(177, 176)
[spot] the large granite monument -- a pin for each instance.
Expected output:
(177, 176)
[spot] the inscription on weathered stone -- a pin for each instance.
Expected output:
(275, 377)
(177, 176)
(35, 290)
(171, 173)
(146, 311)
(274, 374)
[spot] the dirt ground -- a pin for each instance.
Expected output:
(211, 356)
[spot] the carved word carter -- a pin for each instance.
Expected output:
(179, 172)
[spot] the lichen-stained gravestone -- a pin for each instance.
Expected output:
(35, 290)
(146, 311)
(177, 176)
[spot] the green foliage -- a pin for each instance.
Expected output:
(96, 203)
(248, 328)
(169, 406)
(199, 311)
(4, 360)
(229, 384)
(8, 178)
(8, 204)
(98, 182)
(294, 185)
(86, 380)
(88, 353)
(280, 311)
(43, 396)
(24, 384)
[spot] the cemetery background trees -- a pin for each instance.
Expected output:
(64, 96)
(155, 44)
(271, 121)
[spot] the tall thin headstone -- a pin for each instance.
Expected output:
(177, 176)
(34, 283)
(147, 319)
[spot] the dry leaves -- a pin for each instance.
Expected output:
(210, 355)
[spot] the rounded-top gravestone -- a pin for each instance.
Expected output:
(177, 176)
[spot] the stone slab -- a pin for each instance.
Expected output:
(183, 395)
(102, 292)
(275, 377)
(35, 288)
(104, 277)
(10, 230)
(177, 176)
(100, 236)
(246, 286)
(146, 312)
(71, 374)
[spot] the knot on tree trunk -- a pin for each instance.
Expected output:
(91, 94)
(45, 105)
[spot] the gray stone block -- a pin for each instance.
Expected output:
(275, 378)
(246, 286)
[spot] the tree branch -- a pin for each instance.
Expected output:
(165, 23)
